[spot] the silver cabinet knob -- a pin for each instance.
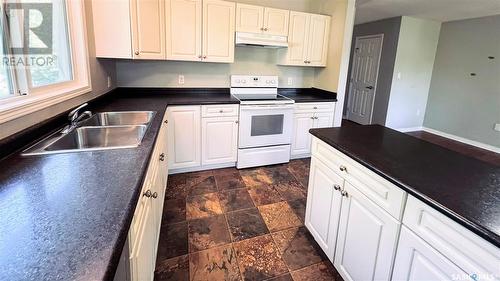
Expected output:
(204, 57)
(312, 117)
(162, 157)
(336, 187)
(166, 121)
(343, 168)
(266, 29)
(148, 193)
(344, 193)
(155, 195)
(315, 117)
(315, 107)
(200, 56)
(136, 53)
(221, 111)
(237, 122)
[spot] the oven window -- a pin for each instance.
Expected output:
(263, 125)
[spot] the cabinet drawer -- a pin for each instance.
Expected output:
(219, 110)
(385, 194)
(306, 107)
(470, 252)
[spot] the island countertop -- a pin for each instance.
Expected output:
(463, 188)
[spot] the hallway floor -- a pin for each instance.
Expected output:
(239, 225)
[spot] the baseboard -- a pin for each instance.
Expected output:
(300, 156)
(411, 129)
(201, 168)
(462, 140)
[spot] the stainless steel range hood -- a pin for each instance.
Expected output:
(261, 40)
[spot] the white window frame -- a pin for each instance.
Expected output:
(45, 96)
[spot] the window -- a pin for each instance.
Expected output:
(44, 54)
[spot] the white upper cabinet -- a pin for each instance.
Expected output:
(138, 34)
(218, 31)
(276, 21)
(148, 29)
(307, 40)
(249, 18)
(183, 29)
(257, 19)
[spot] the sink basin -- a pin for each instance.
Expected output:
(90, 139)
(85, 138)
(120, 118)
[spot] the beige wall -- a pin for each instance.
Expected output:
(99, 69)
(328, 78)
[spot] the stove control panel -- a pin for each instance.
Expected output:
(246, 81)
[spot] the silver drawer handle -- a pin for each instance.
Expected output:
(343, 168)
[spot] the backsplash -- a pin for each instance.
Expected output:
(247, 61)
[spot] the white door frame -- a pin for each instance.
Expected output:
(381, 36)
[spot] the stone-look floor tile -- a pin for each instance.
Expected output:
(291, 190)
(229, 182)
(176, 187)
(317, 272)
(300, 169)
(278, 173)
(174, 269)
(232, 200)
(255, 177)
(259, 259)
(207, 233)
(264, 195)
(279, 216)
(173, 241)
(299, 208)
(297, 248)
(202, 206)
(207, 185)
(215, 264)
(174, 211)
(286, 277)
(246, 224)
(197, 177)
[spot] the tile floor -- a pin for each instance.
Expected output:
(239, 225)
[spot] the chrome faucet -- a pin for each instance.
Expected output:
(74, 118)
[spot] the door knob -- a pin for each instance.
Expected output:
(369, 87)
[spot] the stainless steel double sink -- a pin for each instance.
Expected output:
(102, 131)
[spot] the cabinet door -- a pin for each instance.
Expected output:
(184, 144)
(218, 31)
(249, 18)
(183, 30)
(323, 120)
(417, 260)
(323, 206)
(148, 29)
(301, 141)
(219, 140)
(319, 32)
(276, 21)
(367, 239)
(298, 37)
(142, 260)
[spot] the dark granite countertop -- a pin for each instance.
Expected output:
(463, 188)
(66, 216)
(309, 95)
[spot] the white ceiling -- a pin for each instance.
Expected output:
(438, 10)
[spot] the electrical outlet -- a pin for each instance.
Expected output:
(181, 79)
(497, 127)
(418, 112)
(290, 81)
(399, 75)
(109, 82)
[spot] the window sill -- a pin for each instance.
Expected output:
(17, 107)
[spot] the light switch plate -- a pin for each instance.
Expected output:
(497, 127)
(290, 81)
(181, 79)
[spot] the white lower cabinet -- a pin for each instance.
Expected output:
(308, 116)
(367, 238)
(219, 140)
(184, 142)
(323, 205)
(202, 137)
(138, 258)
(416, 260)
